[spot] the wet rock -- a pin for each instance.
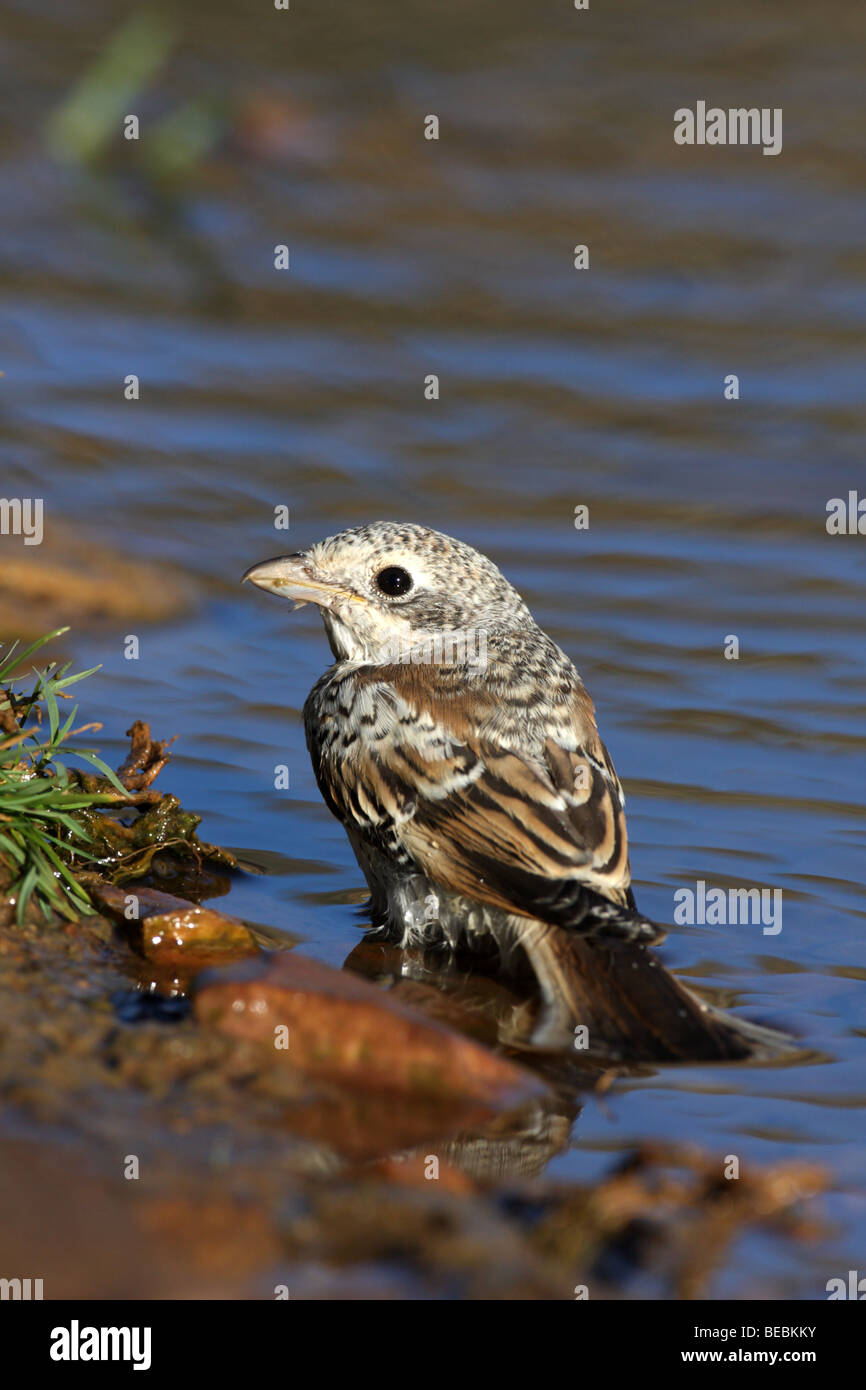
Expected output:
(330, 1023)
(173, 932)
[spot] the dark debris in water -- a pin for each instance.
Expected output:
(138, 1006)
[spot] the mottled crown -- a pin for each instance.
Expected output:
(453, 585)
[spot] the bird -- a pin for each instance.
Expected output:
(457, 744)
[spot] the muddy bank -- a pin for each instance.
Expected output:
(167, 1157)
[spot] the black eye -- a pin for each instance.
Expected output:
(393, 581)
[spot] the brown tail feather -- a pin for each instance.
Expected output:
(633, 1008)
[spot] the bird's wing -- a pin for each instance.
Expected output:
(541, 837)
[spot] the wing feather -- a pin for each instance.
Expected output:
(421, 775)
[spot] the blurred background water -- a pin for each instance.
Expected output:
(601, 387)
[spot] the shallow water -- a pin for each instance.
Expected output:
(558, 388)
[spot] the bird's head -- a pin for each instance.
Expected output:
(393, 586)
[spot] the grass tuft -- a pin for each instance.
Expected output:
(40, 835)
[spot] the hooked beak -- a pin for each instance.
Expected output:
(289, 576)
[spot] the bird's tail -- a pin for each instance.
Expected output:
(613, 1000)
